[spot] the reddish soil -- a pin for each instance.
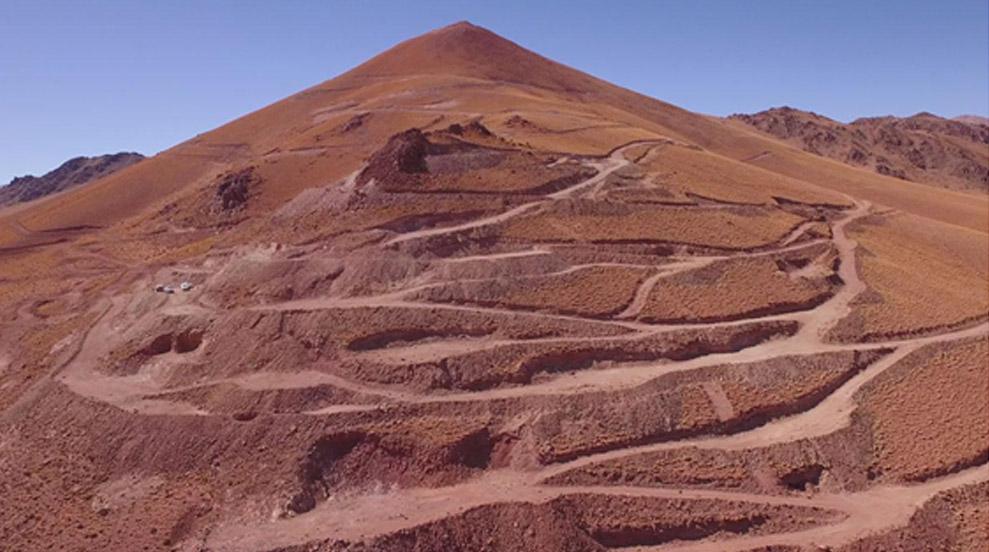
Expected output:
(466, 298)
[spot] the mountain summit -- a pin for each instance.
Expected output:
(454, 74)
(467, 50)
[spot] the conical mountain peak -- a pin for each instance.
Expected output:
(467, 50)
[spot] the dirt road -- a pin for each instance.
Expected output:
(363, 516)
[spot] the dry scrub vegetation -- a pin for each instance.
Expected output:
(719, 228)
(730, 290)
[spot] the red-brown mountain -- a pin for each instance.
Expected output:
(922, 148)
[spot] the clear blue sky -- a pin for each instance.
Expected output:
(84, 77)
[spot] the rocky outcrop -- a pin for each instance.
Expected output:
(406, 158)
(404, 154)
(233, 189)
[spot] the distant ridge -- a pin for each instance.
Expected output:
(972, 119)
(74, 172)
(949, 153)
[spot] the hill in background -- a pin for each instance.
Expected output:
(74, 172)
(953, 153)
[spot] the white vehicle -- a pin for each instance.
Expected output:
(168, 289)
(185, 286)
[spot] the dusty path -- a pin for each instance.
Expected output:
(645, 288)
(797, 233)
(126, 392)
(362, 516)
(829, 415)
(498, 256)
(869, 513)
(826, 417)
(829, 313)
(359, 516)
(642, 295)
(604, 167)
(629, 375)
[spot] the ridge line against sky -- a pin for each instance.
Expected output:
(87, 77)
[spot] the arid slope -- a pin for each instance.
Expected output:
(465, 298)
